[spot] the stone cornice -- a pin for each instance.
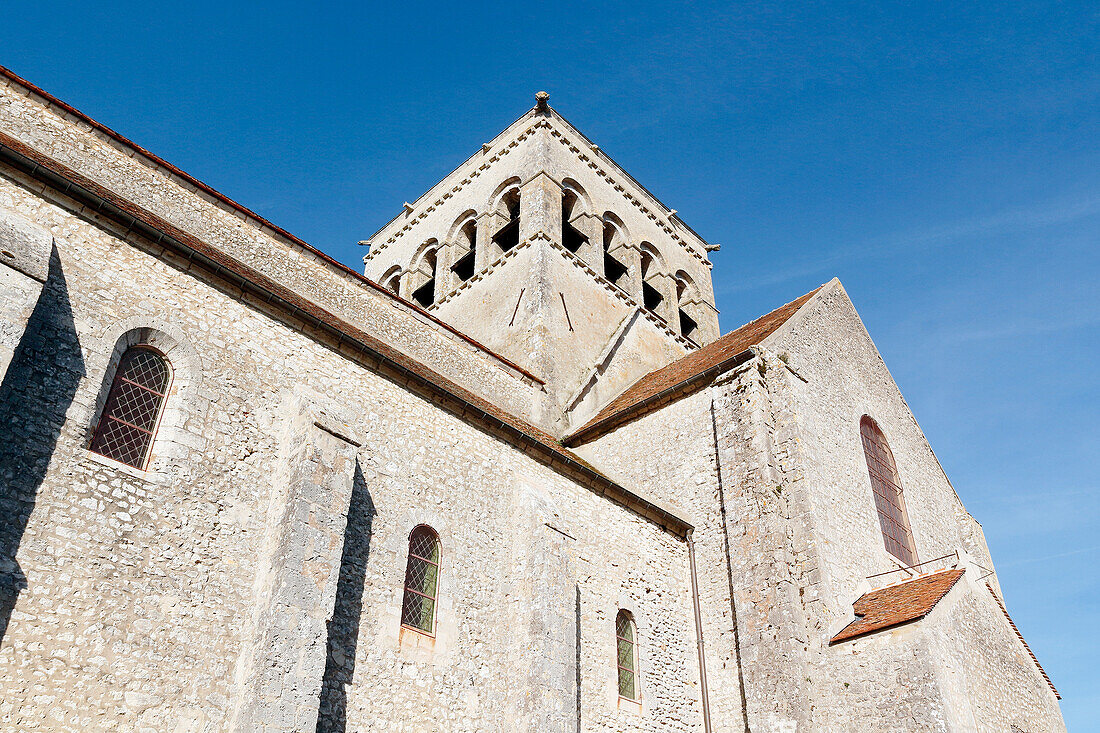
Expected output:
(414, 214)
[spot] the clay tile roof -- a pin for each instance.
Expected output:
(1021, 638)
(898, 604)
(689, 371)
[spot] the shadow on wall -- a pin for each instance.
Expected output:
(343, 628)
(38, 388)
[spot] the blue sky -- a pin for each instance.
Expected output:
(942, 159)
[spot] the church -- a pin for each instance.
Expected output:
(511, 476)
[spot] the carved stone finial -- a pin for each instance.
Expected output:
(542, 100)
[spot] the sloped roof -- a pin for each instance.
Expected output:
(688, 373)
(447, 394)
(898, 604)
(1021, 638)
(263, 223)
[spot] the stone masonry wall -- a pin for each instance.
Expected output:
(138, 179)
(138, 610)
(834, 376)
(735, 470)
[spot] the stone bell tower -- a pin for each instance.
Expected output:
(540, 247)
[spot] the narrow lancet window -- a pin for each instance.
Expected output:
(421, 580)
(886, 485)
(651, 296)
(425, 294)
(684, 294)
(626, 644)
(613, 270)
(463, 268)
(571, 237)
(508, 235)
(129, 419)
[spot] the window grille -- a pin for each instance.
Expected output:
(421, 580)
(626, 655)
(886, 485)
(129, 419)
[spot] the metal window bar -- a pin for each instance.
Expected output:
(918, 565)
(133, 406)
(418, 607)
(886, 487)
(625, 650)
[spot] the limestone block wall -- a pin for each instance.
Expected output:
(961, 668)
(542, 156)
(24, 267)
(138, 594)
(838, 376)
(989, 681)
(832, 376)
(76, 144)
(541, 307)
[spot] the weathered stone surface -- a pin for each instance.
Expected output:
(250, 577)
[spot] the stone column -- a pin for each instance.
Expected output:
(631, 257)
(487, 251)
(540, 208)
(591, 252)
(282, 666)
(445, 279)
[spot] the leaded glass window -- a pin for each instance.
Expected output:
(626, 655)
(886, 485)
(421, 580)
(129, 419)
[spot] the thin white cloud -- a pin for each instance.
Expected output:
(1050, 213)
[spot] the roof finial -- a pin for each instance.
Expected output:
(541, 99)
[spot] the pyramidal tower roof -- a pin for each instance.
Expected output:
(588, 152)
(541, 247)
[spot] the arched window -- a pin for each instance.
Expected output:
(508, 235)
(466, 248)
(129, 418)
(392, 280)
(571, 237)
(886, 486)
(425, 292)
(613, 237)
(651, 296)
(626, 643)
(685, 296)
(421, 580)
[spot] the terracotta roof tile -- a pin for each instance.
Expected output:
(453, 396)
(688, 371)
(248, 213)
(1021, 638)
(898, 604)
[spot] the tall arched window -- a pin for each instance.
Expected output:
(886, 485)
(425, 293)
(129, 418)
(508, 235)
(626, 643)
(421, 580)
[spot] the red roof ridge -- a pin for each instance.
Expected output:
(210, 191)
(1001, 605)
(897, 604)
(687, 373)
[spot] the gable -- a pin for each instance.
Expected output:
(691, 373)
